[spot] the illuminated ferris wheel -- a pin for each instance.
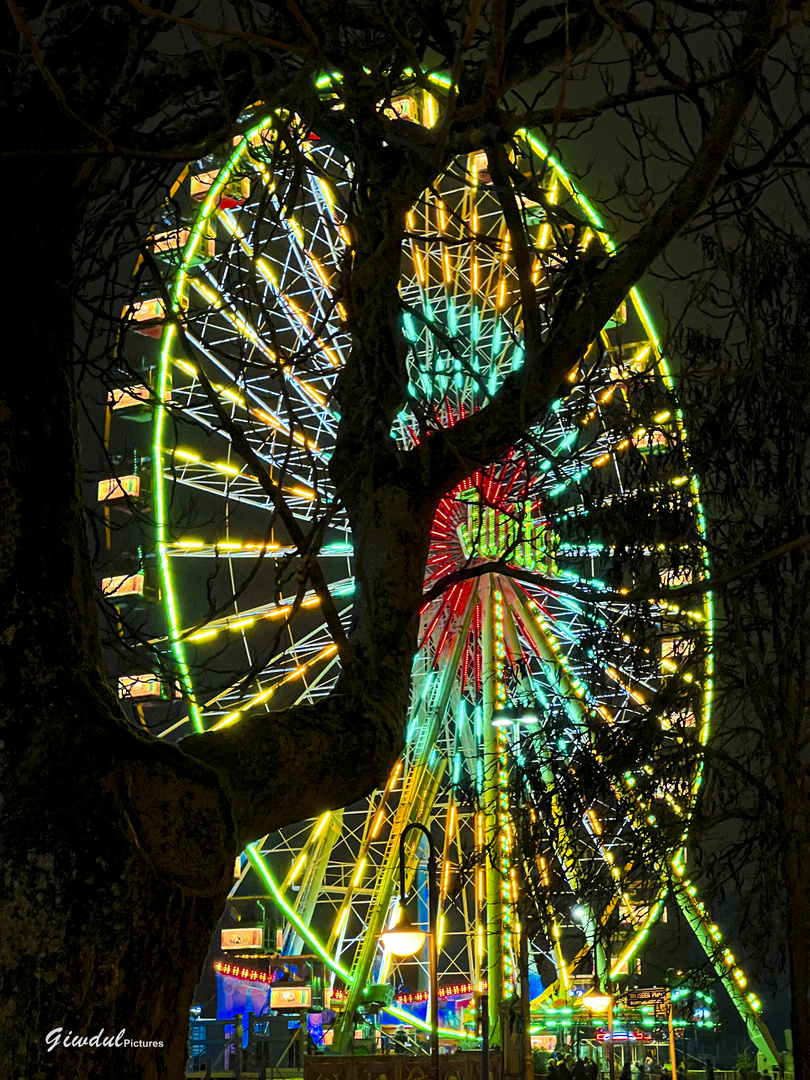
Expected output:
(549, 718)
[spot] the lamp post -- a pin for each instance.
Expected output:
(405, 939)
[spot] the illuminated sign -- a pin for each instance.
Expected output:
(248, 937)
(123, 585)
(237, 972)
(480, 168)
(402, 109)
(645, 440)
(678, 719)
(170, 241)
(515, 533)
(603, 1036)
(675, 651)
(652, 995)
(147, 315)
(129, 397)
(139, 686)
(146, 310)
(290, 997)
(174, 241)
(117, 487)
(149, 687)
(454, 990)
(232, 194)
(671, 578)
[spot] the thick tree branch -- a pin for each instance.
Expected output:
(609, 596)
(576, 34)
(258, 759)
(526, 394)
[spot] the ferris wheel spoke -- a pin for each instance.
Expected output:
(314, 861)
(420, 788)
(312, 281)
(224, 306)
(250, 395)
(565, 843)
(227, 481)
(307, 350)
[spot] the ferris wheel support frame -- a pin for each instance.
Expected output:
(725, 966)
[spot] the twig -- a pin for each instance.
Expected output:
(219, 31)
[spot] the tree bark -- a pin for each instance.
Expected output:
(107, 914)
(797, 875)
(114, 850)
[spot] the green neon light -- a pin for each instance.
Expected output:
(177, 289)
(257, 862)
(160, 534)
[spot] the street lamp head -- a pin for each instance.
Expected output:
(403, 939)
(515, 716)
(502, 719)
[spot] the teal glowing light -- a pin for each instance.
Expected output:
(497, 332)
(475, 324)
(452, 319)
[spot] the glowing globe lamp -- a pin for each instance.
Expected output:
(403, 939)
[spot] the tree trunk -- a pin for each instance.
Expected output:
(797, 881)
(116, 848)
(105, 913)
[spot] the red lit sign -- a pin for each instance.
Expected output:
(623, 1036)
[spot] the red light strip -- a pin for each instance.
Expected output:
(251, 975)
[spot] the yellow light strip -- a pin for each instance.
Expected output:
(231, 470)
(230, 545)
(265, 695)
(625, 685)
